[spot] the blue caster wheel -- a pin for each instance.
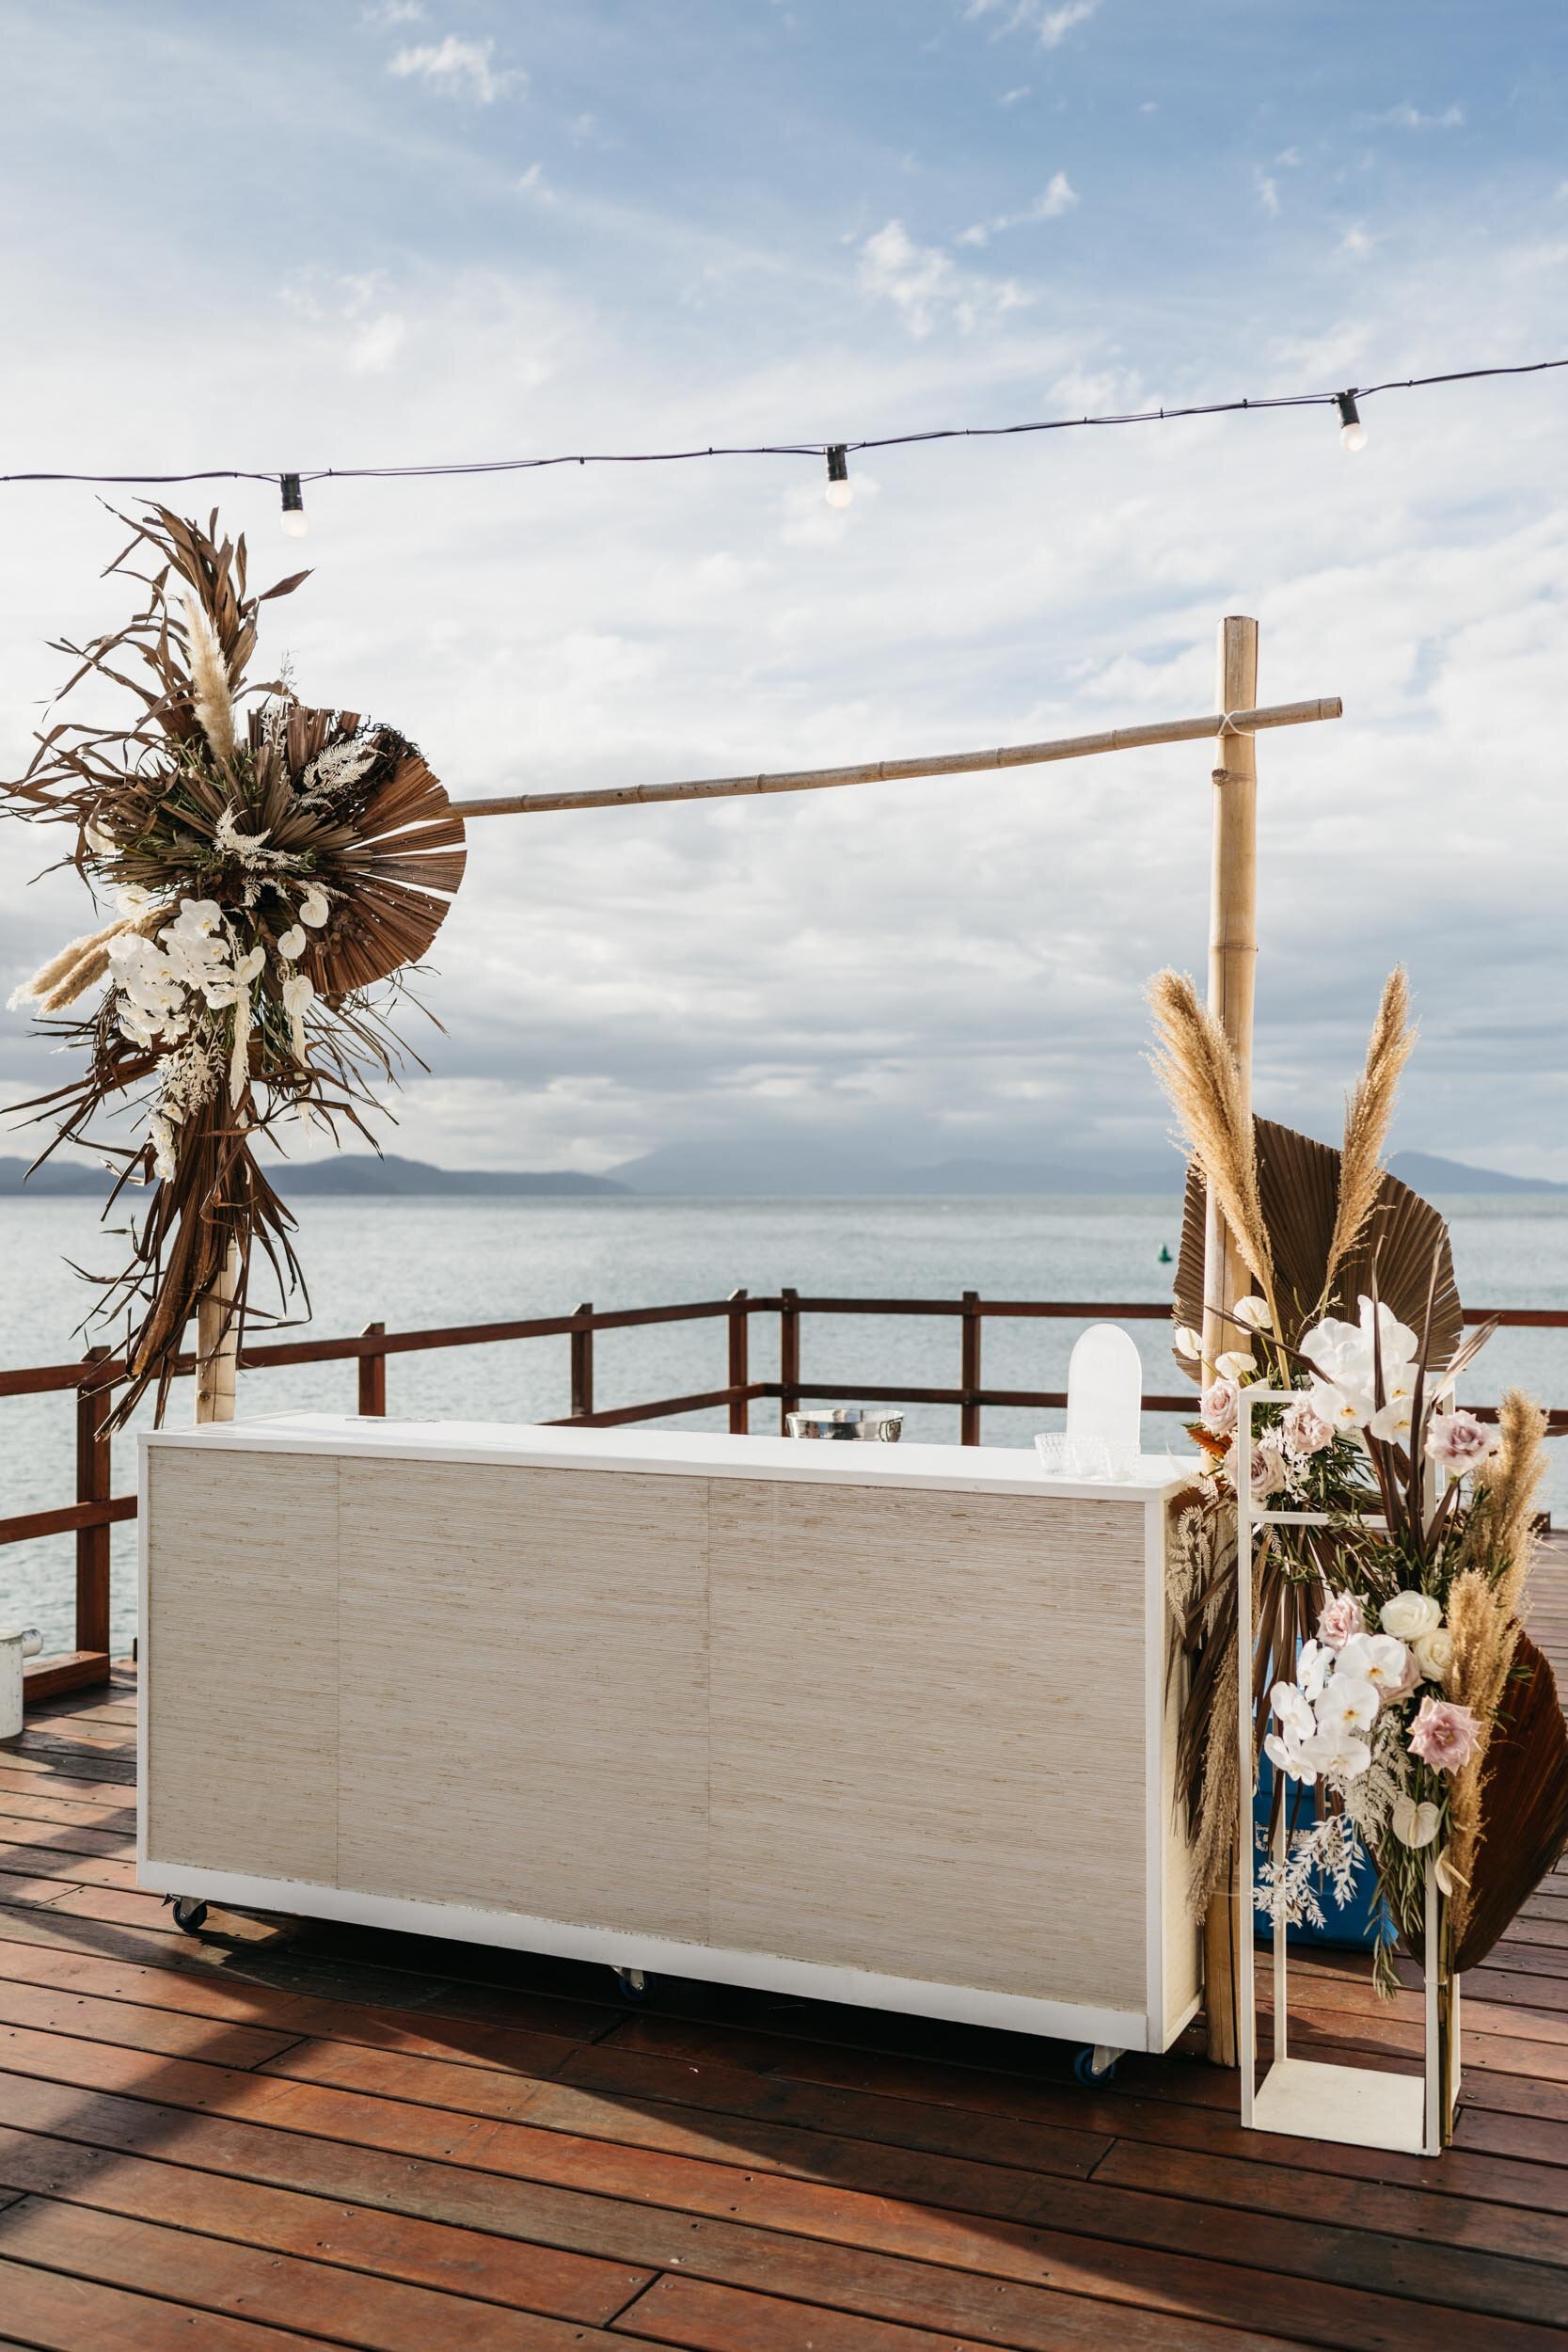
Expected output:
(632, 1984)
(188, 1916)
(1095, 2066)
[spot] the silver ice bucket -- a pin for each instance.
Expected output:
(883, 1424)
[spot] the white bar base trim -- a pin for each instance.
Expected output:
(765, 1972)
(1358, 2106)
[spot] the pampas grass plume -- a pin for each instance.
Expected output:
(1199, 1074)
(211, 699)
(1367, 1112)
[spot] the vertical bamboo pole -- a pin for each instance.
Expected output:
(1232, 978)
(217, 1343)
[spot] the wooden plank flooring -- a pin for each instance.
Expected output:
(289, 2135)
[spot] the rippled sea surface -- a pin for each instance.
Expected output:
(431, 1263)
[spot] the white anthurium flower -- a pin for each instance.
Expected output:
(1254, 1313)
(314, 909)
(1442, 1873)
(1313, 1667)
(134, 899)
(252, 962)
(1338, 1753)
(1235, 1364)
(1185, 1340)
(1287, 1756)
(1348, 1704)
(1290, 1705)
(291, 943)
(98, 840)
(1410, 1616)
(1414, 1825)
(1377, 1659)
(298, 991)
(1434, 1654)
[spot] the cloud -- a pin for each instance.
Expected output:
(1268, 195)
(927, 285)
(1011, 97)
(1408, 118)
(1052, 24)
(1355, 243)
(380, 15)
(1059, 198)
(533, 183)
(458, 69)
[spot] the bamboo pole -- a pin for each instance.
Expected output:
(1230, 716)
(217, 1343)
(1232, 978)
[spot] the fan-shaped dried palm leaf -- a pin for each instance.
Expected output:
(1298, 1187)
(1524, 1805)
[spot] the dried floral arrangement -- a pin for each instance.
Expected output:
(1392, 1677)
(269, 866)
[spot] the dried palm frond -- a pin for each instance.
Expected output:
(1197, 1068)
(1523, 1823)
(1367, 1112)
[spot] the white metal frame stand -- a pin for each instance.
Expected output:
(1361, 2107)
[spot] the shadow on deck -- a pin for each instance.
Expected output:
(283, 2136)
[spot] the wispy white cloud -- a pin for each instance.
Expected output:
(533, 183)
(1355, 243)
(925, 285)
(1053, 201)
(1268, 194)
(1051, 24)
(381, 15)
(1408, 118)
(458, 69)
(1011, 97)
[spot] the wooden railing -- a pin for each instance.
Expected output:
(91, 1379)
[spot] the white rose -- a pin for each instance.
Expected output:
(1435, 1656)
(1410, 1617)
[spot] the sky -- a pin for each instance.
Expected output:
(315, 235)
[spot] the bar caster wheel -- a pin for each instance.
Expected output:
(632, 1984)
(1095, 2063)
(190, 1916)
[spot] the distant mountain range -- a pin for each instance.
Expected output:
(760, 1172)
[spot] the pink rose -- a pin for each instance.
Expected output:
(1340, 1617)
(1458, 1440)
(1445, 1734)
(1218, 1408)
(1407, 1681)
(1304, 1430)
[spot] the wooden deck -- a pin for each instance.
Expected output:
(287, 2135)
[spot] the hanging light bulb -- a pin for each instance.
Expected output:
(1353, 433)
(840, 488)
(296, 521)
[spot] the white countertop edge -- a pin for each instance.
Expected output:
(972, 1470)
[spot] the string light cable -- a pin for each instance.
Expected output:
(839, 490)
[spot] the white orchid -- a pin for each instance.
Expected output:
(1289, 1755)
(1377, 1659)
(1339, 1754)
(1344, 1387)
(1290, 1707)
(1349, 1704)
(1313, 1667)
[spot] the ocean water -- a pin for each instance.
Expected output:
(427, 1262)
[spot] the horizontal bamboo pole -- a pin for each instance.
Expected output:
(933, 764)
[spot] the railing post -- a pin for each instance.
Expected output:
(94, 1484)
(582, 1366)
(969, 1372)
(789, 1357)
(740, 1377)
(373, 1374)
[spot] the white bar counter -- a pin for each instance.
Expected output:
(883, 1723)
